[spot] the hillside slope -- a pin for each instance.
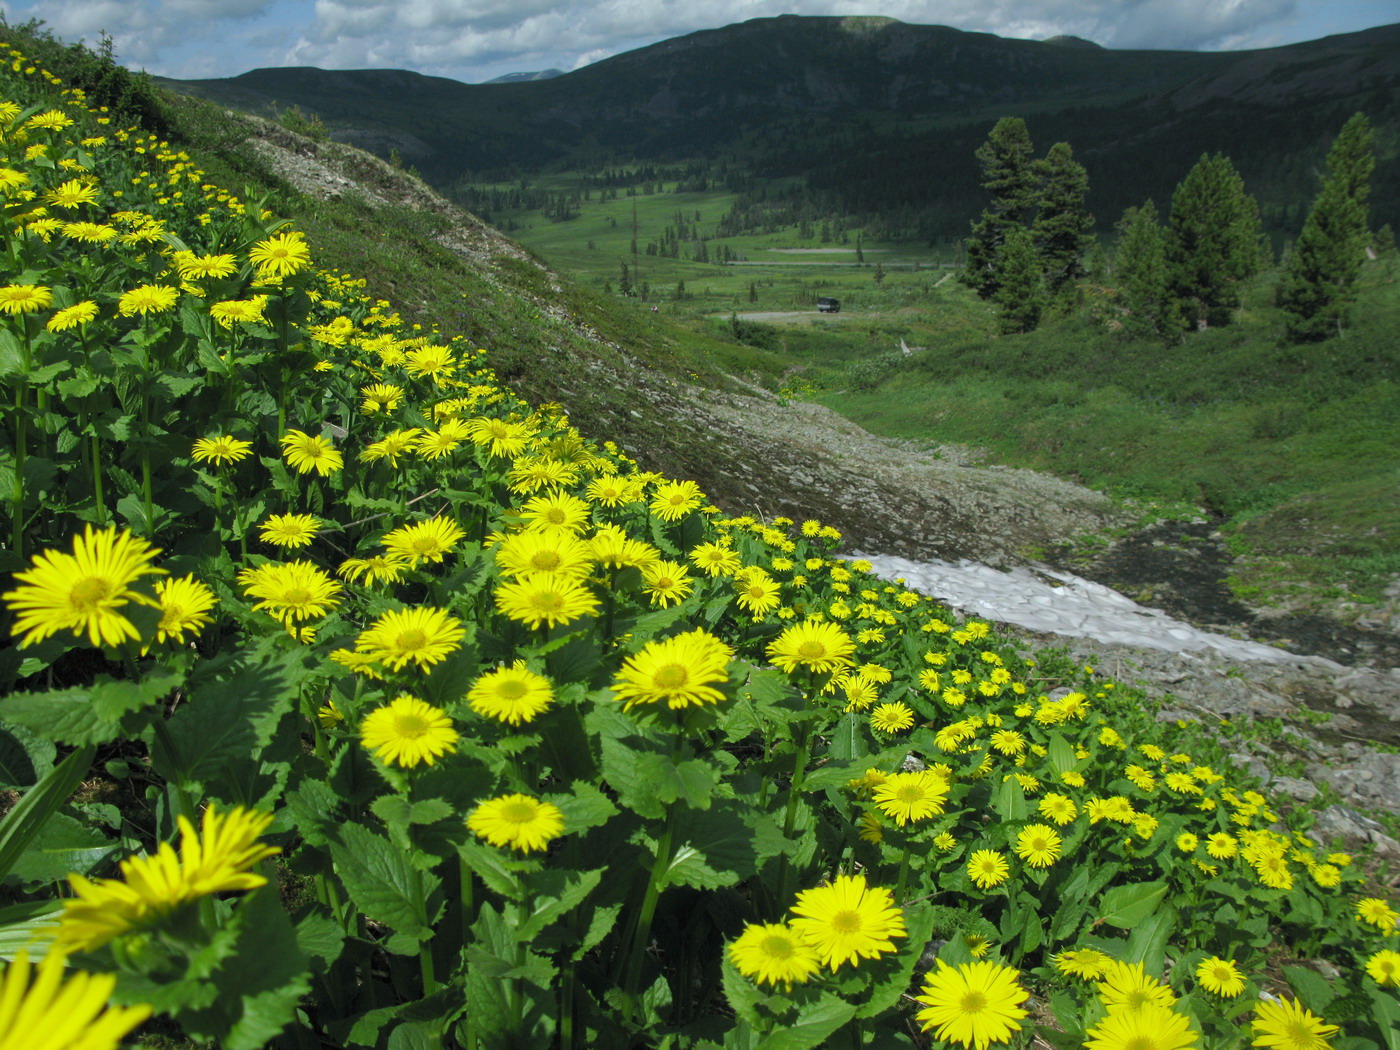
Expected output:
(750, 452)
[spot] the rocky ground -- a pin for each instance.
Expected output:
(1338, 701)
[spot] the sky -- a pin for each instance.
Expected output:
(477, 40)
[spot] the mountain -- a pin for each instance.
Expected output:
(877, 114)
(523, 78)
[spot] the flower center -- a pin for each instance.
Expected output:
(672, 676)
(173, 615)
(973, 1003)
(776, 947)
(87, 594)
(412, 639)
(410, 727)
(811, 650)
(296, 596)
(546, 561)
(511, 689)
(424, 545)
(518, 812)
(847, 921)
(555, 516)
(1142, 1042)
(548, 601)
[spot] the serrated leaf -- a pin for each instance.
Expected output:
(885, 994)
(88, 715)
(554, 894)
(814, 1023)
(584, 807)
(381, 881)
(716, 848)
(228, 718)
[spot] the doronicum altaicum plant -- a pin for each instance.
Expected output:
(353, 701)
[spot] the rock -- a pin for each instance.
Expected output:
(1302, 790)
(1355, 829)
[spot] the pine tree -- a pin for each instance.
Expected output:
(1140, 272)
(1008, 173)
(1062, 229)
(1020, 291)
(1213, 241)
(1319, 283)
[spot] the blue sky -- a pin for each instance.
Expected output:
(475, 40)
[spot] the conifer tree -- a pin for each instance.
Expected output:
(1319, 283)
(1020, 291)
(1008, 173)
(1213, 241)
(1140, 272)
(1062, 229)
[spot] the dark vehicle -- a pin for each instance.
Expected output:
(828, 305)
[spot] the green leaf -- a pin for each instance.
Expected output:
(399, 814)
(88, 715)
(22, 824)
(885, 994)
(1148, 942)
(64, 845)
(381, 881)
(20, 922)
(814, 1023)
(1311, 988)
(1009, 800)
(716, 848)
(584, 808)
(1127, 905)
(260, 984)
(553, 894)
(17, 758)
(228, 721)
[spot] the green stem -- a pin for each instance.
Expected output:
(17, 489)
(903, 878)
(799, 776)
(641, 938)
(97, 477)
(146, 464)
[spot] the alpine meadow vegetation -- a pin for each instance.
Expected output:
(354, 701)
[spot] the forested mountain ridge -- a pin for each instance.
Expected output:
(878, 116)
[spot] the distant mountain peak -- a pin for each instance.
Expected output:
(1065, 40)
(524, 78)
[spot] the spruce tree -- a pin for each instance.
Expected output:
(1020, 291)
(1213, 241)
(1008, 173)
(1140, 272)
(1062, 229)
(1319, 283)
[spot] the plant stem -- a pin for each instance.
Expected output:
(641, 938)
(799, 775)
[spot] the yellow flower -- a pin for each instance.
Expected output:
(666, 582)
(1384, 968)
(83, 592)
(407, 731)
(1288, 1025)
(892, 718)
(289, 530)
(239, 311)
(307, 453)
(682, 670)
(1220, 976)
(220, 450)
(57, 1014)
(147, 299)
(817, 646)
(291, 591)
(421, 635)
(427, 540)
(675, 499)
(184, 606)
(216, 859)
(1378, 913)
(988, 868)
(511, 694)
(72, 316)
(545, 599)
(772, 953)
(913, 796)
(976, 1004)
(517, 821)
(1150, 1027)
(846, 921)
(281, 256)
(24, 298)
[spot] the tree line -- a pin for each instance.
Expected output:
(1034, 242)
